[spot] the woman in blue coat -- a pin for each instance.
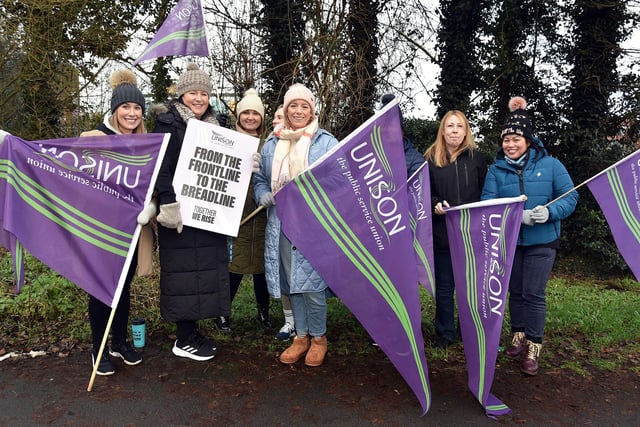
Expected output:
(523, 166)
(285, 154)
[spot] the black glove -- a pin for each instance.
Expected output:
(223, 119)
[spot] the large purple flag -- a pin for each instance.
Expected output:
(72, 203)
(617, 190)
(183, 33)
(348, 214)
(482, 240)
(420, 215)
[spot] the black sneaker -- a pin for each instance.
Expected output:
(105, 367)
(196, 347)
(223, 324)
(126, 353)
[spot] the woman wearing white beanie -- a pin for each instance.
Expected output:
(247, 249)
(286, 154)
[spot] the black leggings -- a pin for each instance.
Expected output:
(99, 312)
(259, 288)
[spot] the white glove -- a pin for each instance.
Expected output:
(526, 217)
(267, 200)
(147, 213)
(256, 157)
(2, 135)
(540, 214)
(170, 217)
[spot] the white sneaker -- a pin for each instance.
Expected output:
(287, 332)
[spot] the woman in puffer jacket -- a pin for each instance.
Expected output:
(523, 166)
(284, 155)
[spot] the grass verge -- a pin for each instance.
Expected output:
(590, 323)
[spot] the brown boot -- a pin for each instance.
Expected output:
(518, 346)
(315, 356)
(295, 350)
(530, 362)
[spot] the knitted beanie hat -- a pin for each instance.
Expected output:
(193, 79)
(299, 91)
(250, 101)
(125, 89)
(517, 121)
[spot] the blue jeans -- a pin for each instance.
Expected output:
(309, 308)
(527, 290)
(310, 313)
(445, 287)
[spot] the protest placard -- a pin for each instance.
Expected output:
(212, 176)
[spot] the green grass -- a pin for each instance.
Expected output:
(590, 324)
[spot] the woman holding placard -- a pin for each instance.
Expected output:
(194, 272)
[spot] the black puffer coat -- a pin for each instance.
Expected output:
(194, 273)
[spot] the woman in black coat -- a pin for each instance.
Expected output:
(456, 173)
(194, 272)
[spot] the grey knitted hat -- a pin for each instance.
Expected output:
(193, 79)
(125, 89)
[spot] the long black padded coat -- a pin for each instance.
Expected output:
(194, 272)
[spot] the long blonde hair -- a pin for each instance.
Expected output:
(437, 152)
(113, 121)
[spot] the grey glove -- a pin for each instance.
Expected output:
(540, 214)
(526, 217)
(170, 217)
(267, 200)
(147, 213)
(256, 157)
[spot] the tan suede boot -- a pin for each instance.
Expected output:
(295, 350)
(317, 351)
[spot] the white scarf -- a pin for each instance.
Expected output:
(291, 155)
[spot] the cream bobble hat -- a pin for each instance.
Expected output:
(250, 101)
(299, 91)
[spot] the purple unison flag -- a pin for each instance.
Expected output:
(348, 214)
(72, 203)
(617, 190)
(482, 240)
(183, 33)
(419, 189)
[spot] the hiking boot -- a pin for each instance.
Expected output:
(518, 345)
(196, 347)
(529, 364)
(263, 317)
(287, 332)
(317, 351)
(126, 353)
(223, 324)
(295, 350)
(105, 367)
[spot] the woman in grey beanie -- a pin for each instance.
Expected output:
(194, 271)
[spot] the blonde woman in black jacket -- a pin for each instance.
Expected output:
(456, 172)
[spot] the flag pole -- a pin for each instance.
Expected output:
(211, 63)
(118, 293)
(251, 215)
(592, 178)
(102, 347)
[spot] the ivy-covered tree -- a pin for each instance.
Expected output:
(460, 64)
(592, 137)
(510, 56)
